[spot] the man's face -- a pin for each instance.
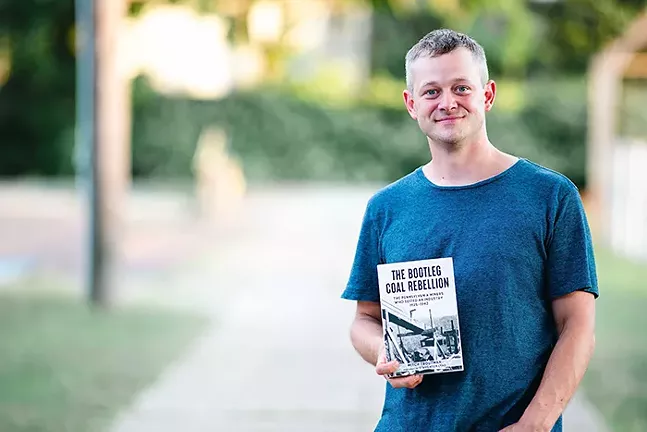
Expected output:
(448, 99)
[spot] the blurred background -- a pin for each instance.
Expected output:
(182, 184)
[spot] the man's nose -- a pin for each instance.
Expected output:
(447, 102)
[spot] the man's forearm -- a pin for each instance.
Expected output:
(563, 373)
(366, 336)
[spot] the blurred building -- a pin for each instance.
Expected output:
(617, 158)
(330, 41)
(184, 51)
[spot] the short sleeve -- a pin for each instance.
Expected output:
(362, 284)
(571, 262)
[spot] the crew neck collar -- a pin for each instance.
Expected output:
(420, 173)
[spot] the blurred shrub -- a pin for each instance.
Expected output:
(281, 137)
(277, 137)
(555, 113)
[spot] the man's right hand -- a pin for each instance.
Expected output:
(385, 368)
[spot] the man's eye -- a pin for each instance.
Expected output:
(462, 89)
(432, 92)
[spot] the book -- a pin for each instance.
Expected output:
(420, 316)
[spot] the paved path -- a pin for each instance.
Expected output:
(278, 356)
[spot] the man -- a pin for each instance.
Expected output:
(523, 261)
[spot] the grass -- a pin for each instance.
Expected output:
(616, 382)
(66, 368)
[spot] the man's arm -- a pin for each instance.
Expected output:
(366, 336)
(575, 319)
(366, 331)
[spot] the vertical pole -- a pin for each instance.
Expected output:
(85, 150)
(112, 150)
(103, 141)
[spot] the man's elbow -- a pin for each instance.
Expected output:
(585, 334)
(580, 330)
(352, 330)
(356, 328)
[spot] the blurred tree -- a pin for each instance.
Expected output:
(506, 29)
(521, 38)
(573, 30)
(37, 101)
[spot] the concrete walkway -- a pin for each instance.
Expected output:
(278, 356)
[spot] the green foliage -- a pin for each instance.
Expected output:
(276, 136)
(395, 36)
(555, 114)
(520, 38)
(573, 30)
(37, 102)
(281, 137)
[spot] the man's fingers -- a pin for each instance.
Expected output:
(387, 368)
(406, 382)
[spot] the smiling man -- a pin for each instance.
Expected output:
(523, 260)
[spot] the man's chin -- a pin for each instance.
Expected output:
(452, 139)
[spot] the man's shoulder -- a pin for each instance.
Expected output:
(549, 179)
(395, 191)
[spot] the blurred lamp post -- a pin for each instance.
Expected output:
(102, 141)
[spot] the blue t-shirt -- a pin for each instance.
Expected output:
(518, 240)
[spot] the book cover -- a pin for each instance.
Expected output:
(420, 316)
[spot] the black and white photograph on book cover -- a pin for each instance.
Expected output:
(408, 340)
(420, 342)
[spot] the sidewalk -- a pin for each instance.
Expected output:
(278, 356)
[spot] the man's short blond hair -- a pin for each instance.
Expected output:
(444, 41)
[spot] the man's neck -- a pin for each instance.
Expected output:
(465, 164)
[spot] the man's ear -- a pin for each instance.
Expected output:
(410, 104)
(490, 94)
